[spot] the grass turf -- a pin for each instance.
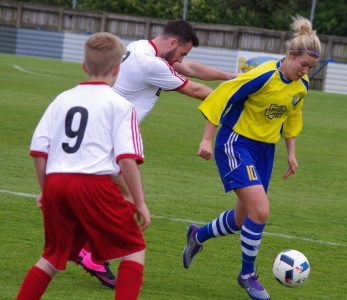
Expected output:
(307, 211)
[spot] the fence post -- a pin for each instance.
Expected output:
(282, 48)
(103, 22)
(148, 30)
(329, 47)
(19, 16)
(61, 19)
(236, 38)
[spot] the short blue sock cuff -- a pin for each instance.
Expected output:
(255, 227)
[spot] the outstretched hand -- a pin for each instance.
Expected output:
(232, 75)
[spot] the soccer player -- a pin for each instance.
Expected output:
(148, 67)
(75, 147)
(173, 44)
(254, 110)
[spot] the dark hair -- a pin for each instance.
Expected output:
(182, 30)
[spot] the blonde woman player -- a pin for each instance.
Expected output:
(254, 110)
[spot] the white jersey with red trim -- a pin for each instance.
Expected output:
(86, 130)
(143, 76)
(143, 47)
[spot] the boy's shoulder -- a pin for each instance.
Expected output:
(88, 92)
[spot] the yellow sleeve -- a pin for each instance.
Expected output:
(213, 106)
(235, 90)
(293, 125)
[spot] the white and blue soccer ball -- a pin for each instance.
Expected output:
(291, 268)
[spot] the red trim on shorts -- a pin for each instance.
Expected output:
(139, 159)
(39, 153)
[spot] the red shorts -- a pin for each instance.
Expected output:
(78, 208)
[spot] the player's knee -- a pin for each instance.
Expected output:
(260, 214)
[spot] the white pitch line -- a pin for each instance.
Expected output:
(19, 68)
(285, 236)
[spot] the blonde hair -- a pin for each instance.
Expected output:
(305, 39)
(102, 52)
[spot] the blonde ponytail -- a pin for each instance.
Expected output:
(305, 39)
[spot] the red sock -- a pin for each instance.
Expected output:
(129, 280)
(34, 284)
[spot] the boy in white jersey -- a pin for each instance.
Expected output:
(148, 67)
(84, 132)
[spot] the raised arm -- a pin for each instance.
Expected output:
(197, 70)
(195, 90)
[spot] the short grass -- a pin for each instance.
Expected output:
(308, 211)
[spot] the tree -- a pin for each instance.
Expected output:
(271, 14)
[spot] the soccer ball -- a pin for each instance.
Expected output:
(291, 268)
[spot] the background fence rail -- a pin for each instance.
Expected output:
(27, 15)
(20, 20)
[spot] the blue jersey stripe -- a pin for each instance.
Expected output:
(231, 115)
(305, 82)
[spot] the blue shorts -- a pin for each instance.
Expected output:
(241, 161)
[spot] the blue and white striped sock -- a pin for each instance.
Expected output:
(251, 233)
(223, 225)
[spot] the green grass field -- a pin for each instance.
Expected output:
(308, 211)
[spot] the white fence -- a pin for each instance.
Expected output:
(336, 78)
(69, 47)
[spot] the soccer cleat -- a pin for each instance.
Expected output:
(101, 272)
(192, 247)
(253, 288)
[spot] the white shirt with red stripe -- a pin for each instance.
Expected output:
(143, 76)
(86, 130)
(143, 47)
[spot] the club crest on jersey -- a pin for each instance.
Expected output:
(275, 111)
(295, 100)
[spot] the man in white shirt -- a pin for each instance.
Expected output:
(148, 67)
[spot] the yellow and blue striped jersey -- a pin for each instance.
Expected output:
(259, 104)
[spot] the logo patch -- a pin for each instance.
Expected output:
(158, 92)
(295, 100)
(275, 111)
(125, 56)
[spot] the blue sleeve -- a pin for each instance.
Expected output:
(250, 87)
